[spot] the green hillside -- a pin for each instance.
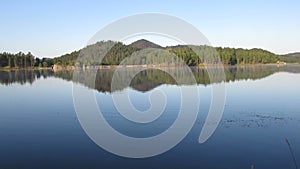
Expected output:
(207, 54)
(291, 57)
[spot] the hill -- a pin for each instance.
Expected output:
(205, 54)
(297, 54)
(291, 57)
(143, 44)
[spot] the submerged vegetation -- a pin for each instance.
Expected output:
(138, 53)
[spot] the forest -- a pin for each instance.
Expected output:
(145, 52)
(22, 60)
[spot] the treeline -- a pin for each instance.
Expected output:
(67, 59)
(16, 60)
(22, 60)
(196, 55)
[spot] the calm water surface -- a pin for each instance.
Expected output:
(39, 127)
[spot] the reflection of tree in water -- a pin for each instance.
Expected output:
(23, 76)
(147, 79)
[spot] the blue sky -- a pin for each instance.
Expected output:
(51, 28)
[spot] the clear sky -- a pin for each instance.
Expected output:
(51, 28)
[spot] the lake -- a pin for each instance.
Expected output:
(260, 125)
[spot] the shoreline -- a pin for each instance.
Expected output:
(33, 68)
(59, 67)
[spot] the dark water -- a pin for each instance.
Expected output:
(39, 127)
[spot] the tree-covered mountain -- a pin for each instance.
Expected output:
(192, 55)
(297, 54)
(291, 57)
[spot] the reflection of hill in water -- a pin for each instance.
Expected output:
(147, 79)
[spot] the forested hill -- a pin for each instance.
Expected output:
(291, 57)
(297, 54)
(228, 56)
(119, 51)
